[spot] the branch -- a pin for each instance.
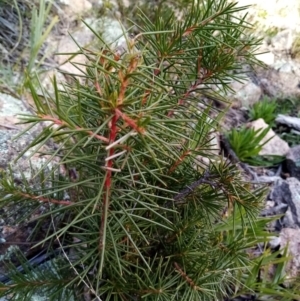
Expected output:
(234, 158)
(45, 199)
(64, 124)
(189, 189)
(186, 191)
(190, 282)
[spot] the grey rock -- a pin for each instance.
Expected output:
(293, 162)
(112, 31)
(10, 106)
(292, 122)
(287, 67)
(275, 15)
(286, 195)
(25, 167)
(83, 36)
(73, 8)
(280, 209)
(233, 119)
(267, 58)
(268, 179)
(246, 93)
(275, 242)
(283, 40)
(295, 132)
(11, 148)
(290, 238)
(279, 84)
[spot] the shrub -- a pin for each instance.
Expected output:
(247, 143)
(22, 40)
(288, 106)
(132, 217)
(265, 109)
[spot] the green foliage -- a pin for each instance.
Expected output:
(264, 109)
(130, 11)
(288, 106)
(22, 43)
(257, 278)
(39, 33)
(293, 139)
(291, 107)
(295, 51)
(36, 280)
(247, 143)
(129, 210)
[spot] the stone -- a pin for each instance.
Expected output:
(279, 65)
(267, 58)
(290, 238)
(283, 41)
(268, 17)
(279, 25)
(292, 122)
(10, 106)
(46, 79)
(112, 31)
(14, 235)
(279, 84)
(275, 210)
(233, 119)
(10, 148)
(292, 215)
(286, 67)
(274, 242)
(275, 146)
(82, 36)
(286, 196)
(246, 93)
(75, 8)
(292, 163)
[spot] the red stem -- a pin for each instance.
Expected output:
(46, 200)
(107, 183)
(62, 123)
(174, 166)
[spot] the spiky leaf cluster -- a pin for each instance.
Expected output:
(132, 211)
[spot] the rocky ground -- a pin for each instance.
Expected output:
(278, 23)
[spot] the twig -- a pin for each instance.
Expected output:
(44, 199)
(183, 274)
(186, 191)
(205, 179)
(234, 158)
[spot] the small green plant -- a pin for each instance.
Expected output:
(295, 51)
(265, 109)
(248, 142)
(258, 280)
(288, 106)
(31, 22)
(291, 138)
